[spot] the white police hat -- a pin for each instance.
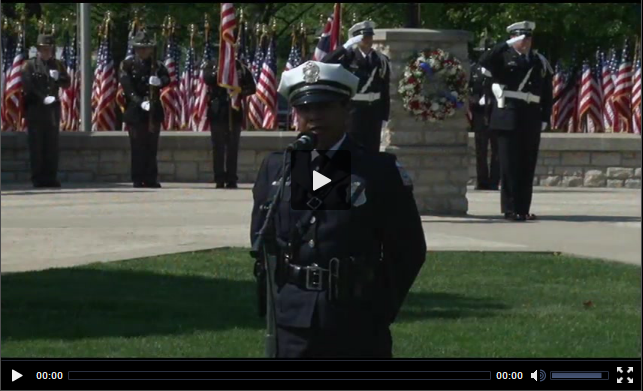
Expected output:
(314, 82)
(524, 27)
(362, 28)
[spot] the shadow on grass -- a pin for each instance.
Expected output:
(425, 305)
(82, 303)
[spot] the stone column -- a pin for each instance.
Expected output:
(434, 154)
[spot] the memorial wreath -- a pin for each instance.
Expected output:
(434, 85)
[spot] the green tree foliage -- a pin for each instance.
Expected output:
(562, 28)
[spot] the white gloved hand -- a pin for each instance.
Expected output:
(482, 102)
(543, 126)
(384, 124)
(353, 41)
(145, 106)
(515, 39)
(155, 81)
(49, 100)
(54, 74)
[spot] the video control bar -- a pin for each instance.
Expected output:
(63, 374)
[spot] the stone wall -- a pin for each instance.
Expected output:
(571, 160)
(583, 160)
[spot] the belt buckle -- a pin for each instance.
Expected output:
(528, 97)
(313, 278)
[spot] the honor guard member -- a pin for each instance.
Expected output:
(141, 76)
(342, 275)
(522, 88)
(225, 123)
(371, 103)
(42, 77)
(480, 105)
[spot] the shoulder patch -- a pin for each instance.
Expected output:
(406, 178)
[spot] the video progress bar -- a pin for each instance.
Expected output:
(277, 375)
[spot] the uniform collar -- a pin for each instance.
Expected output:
(331, 150)
(366, 55)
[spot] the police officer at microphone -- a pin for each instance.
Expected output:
(480, 105)
(342, 272)
(522, 88)
(42, 77)
(371, 103)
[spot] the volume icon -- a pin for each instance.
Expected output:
(542, 375)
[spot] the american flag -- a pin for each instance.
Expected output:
(64, 101)
(8, 54)
(636, 95)
(227, 70)
(607, 87)
(105, 115)
(294, 60)
(557, 88)
(120, 93)
(171, 94)
(97, 75)
(70, 97)
(623, 91)
(566, 103)
(13, 107)
(200, 111)
(256, 107)
(574, 79)
(329, 39)
(187, 89)
(267, 87)
(589, 106)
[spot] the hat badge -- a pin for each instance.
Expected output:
(311, 73)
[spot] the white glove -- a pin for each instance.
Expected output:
(543, 126)
(384, 124)
(155, 81)
(49, 100)
(482, 102)
(145, 106)
(353, 41)
(515, 39)
(54, 74)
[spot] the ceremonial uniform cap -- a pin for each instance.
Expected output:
(142, 40)
(315, 82)
(362, 28)
(520, 28)
(45, 40)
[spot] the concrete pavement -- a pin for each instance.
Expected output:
(81, 224)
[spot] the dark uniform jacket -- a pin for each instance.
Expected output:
(38, 84)
(479, 87)
(219, 96)
(382, 228)
(354, 61)
(507, 69)
(134, 76)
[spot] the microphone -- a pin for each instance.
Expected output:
(305, 142)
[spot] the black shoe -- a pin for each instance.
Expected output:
(153, 185)
(520, 218)
(232, 185)
(510, 216)
(138, 185)
(220, 185)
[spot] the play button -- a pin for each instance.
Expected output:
(15, 375)
(319, 181)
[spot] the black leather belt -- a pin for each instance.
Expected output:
(311, 278)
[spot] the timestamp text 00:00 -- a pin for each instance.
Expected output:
(508, 375)
(49, 375)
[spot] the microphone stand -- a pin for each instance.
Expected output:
(260, 248)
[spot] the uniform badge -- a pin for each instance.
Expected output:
(406, 178)
(357, 193)
(311, 73)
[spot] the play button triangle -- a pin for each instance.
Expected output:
(319, 181)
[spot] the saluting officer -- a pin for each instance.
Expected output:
(225, 123)
(374, 249)
(136, 76)
(522, 88)
(371, 103)
(480, 105)
(42, 76)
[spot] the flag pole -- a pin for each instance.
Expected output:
(84, 21)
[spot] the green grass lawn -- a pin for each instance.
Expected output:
(203, 305)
